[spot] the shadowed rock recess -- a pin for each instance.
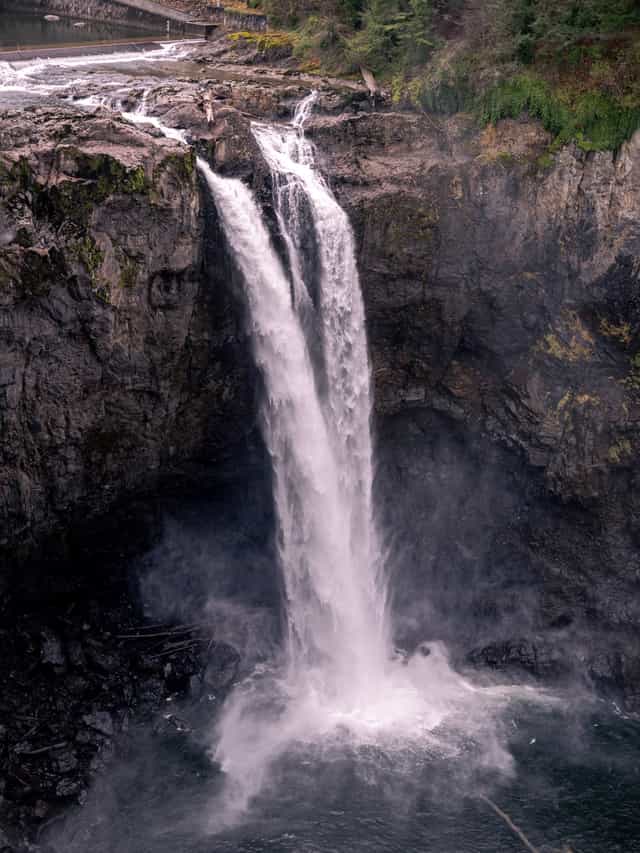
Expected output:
(501, 291)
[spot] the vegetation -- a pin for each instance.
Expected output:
(594, 119)
(572, 64)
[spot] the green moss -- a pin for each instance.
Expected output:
(632, 381)
(134, 181)
(183, 165)
(103, 292)
(571, 341)
(620, 451)
(620, 332)
(98, 177)
(595, 120)
(89, 254)
(273, 40)
(128, 272)
(545, 162)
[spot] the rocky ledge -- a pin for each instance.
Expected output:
(500, 284)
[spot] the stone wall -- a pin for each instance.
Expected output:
(144, 14)
(238, 21)
(94, 9)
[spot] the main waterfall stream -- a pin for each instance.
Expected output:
(340, 673)
(336, 741)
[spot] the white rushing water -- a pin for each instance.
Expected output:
(341, 678)
(329, 551)
(51, 75)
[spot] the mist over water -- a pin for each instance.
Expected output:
(342, 683)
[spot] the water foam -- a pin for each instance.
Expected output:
(342, 686)
(46, 76)
(342, 682)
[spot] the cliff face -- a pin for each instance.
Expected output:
(501, 294)
(119, 362)
(501, 288)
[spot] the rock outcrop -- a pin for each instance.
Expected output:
(501, 287)
(501, 292)
(120, 356)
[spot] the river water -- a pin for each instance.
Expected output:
(574, 786)
(407, 754)
(24, 30)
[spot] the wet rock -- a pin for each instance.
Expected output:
(51, 651)
(66, 761)
(536, 657)
(100, 721)
(67, 788)
(75, 654)
(170, 725)
(104, 659)
(222, 667)
(64, 459)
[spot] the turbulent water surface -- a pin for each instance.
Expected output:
(338, 742)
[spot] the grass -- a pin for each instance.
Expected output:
(265, 42)
(595, 120)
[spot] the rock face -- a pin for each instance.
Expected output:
(119, 351)
(501, 292)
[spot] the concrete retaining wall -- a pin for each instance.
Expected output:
(237, 21)
(145, 14)
(98, 10)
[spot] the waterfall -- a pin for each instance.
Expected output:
(340, 678)
(319, 441)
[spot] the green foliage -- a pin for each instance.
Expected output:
(394, 34)
(556, 27)
(273, 40)
(293, 13)
(321, 42)
(595, 120)
(446, 90)
(525, 93)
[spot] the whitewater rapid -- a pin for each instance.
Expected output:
(48, 76)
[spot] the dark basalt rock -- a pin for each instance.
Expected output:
(75, 677)
(501, 290)
(121, 349)
(501, 293)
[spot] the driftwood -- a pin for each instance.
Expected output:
(505, 817)
(516, 829)
(370, 82)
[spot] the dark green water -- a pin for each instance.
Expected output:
(22, 30)
(575, 787)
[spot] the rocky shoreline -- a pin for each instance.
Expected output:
(85, 668)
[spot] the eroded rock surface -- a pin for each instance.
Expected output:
(501, 291)
(120, 355)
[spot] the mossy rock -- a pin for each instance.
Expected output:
(98, 177)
